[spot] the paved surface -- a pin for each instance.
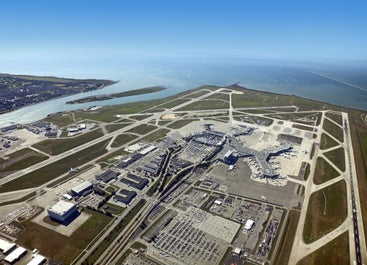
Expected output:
(353, 223)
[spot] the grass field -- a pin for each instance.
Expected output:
(174, 103)
(97, 252)
(135, 92)
(123, 139)
(157, 135)
(327, 142)
(219, 96)
(206, 105)
(327, 209)
(163, 122)
(124, 256)
(335, 252)
(360, 155)
(307, 171)
(53, 170)
(21, 159)
(116, 126)
(254, 119)
(140, 117)
(110, 158)
(179, 124)
(251, 98)
(302, 127)
(334, 130)
(60, 119)
(197, 94)
(335, 117)
(143, 129)
(286, 241)
(337, 156)
(108, 114)
(59, 146)
(363, 139)
(59, 247)
(323, 171)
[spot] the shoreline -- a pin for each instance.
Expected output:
(234, 86)
(105, 83)
(135, 92)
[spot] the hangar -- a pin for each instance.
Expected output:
(81, 188)
(62, 211)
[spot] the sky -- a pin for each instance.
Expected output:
(77, 29)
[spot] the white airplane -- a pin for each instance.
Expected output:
(263, 198)
(73, 169)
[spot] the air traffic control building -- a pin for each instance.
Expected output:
(62, 211)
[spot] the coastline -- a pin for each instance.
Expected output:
(103, 85)
(135, 92)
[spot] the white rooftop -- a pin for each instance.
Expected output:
(5, 246)
(61, 207)
(249, 224)
(218, 202)
(135, 147)
(82, 186)
(38, 259)
(19, 251)
(67, 196)
(237, 251)
(147, 150)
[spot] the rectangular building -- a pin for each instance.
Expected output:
(108, 176)
(16, 255)
(82, 187)
(37, 260)
(135, 181)
(126, 196)
(6, 246)
(62, 211)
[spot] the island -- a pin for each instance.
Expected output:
(17, 91)
(135, 92)
(212, 175)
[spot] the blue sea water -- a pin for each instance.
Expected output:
(180, 74)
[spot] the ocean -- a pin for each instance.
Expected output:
(340, 83)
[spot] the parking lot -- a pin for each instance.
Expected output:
(195, 237)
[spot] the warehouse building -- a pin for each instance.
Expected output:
(108, 176)
(6, 247)
(37, 260)
(16, 255)
(62, 211)
(126, 196)
(135, 181)
(126, 162)
(81, 188)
